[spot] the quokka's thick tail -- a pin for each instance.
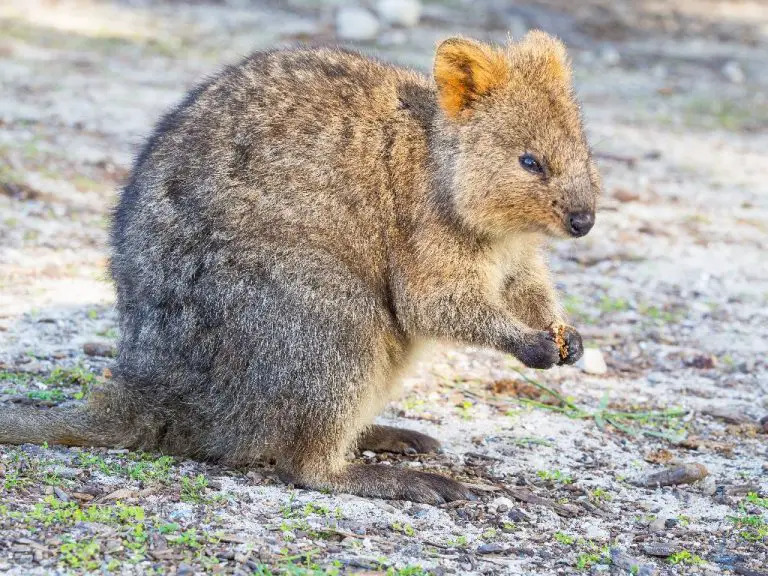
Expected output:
(75, 426)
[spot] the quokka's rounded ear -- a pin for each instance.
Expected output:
(464, 71)
(541, 58)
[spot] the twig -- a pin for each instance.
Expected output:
(524, 495)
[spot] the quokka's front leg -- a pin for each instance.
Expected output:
(532, 298)
(459, 309)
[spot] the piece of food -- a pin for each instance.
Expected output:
(559, 333)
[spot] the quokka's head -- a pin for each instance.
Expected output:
(522, 162)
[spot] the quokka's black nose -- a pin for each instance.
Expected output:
(579, 223)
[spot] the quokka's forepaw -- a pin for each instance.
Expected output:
(569, 344)
(538, 350)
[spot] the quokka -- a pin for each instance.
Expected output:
(300, 222)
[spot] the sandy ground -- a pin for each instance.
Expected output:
(671, 287)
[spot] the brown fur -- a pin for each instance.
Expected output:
(300, 223)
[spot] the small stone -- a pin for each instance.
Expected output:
(81, 496)
(708, 486)
(120, 494)
(623, 561)
(254, 477)
(657, 525)
(388, 507)
(593, 362)
(369, 454)
(103, 349)
(356, 24)
(670, 523)
(490, 548)
(733, 72)
(184, 570)
(730, 414)
(500, 505)
(610, 55)
(66, 472)
(60, 494)
(596, 533)
(404, 13)
(660, 549)
(517, 515)
(702, 362)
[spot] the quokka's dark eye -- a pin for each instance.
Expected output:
(530, 163)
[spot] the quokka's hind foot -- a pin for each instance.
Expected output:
(397, 440)
(374, 481)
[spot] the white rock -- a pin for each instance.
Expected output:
(733, 72)
(399, 12)
(500, 502)
(594, 532)
(356, 24)
(708, 486)
(657, 525)
(610, 55)
(593, 362)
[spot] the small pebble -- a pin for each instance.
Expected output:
(356, 24)
(500, 505)
(490, 548)
(103, 349)
(661, 549)
(658, 525)
(623, 561)
(66, 472)
(610, 55)
(517, 515)
(404, 13)
(60, 494)
(733, 72)
(593, 362)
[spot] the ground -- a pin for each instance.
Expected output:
(671, 287)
